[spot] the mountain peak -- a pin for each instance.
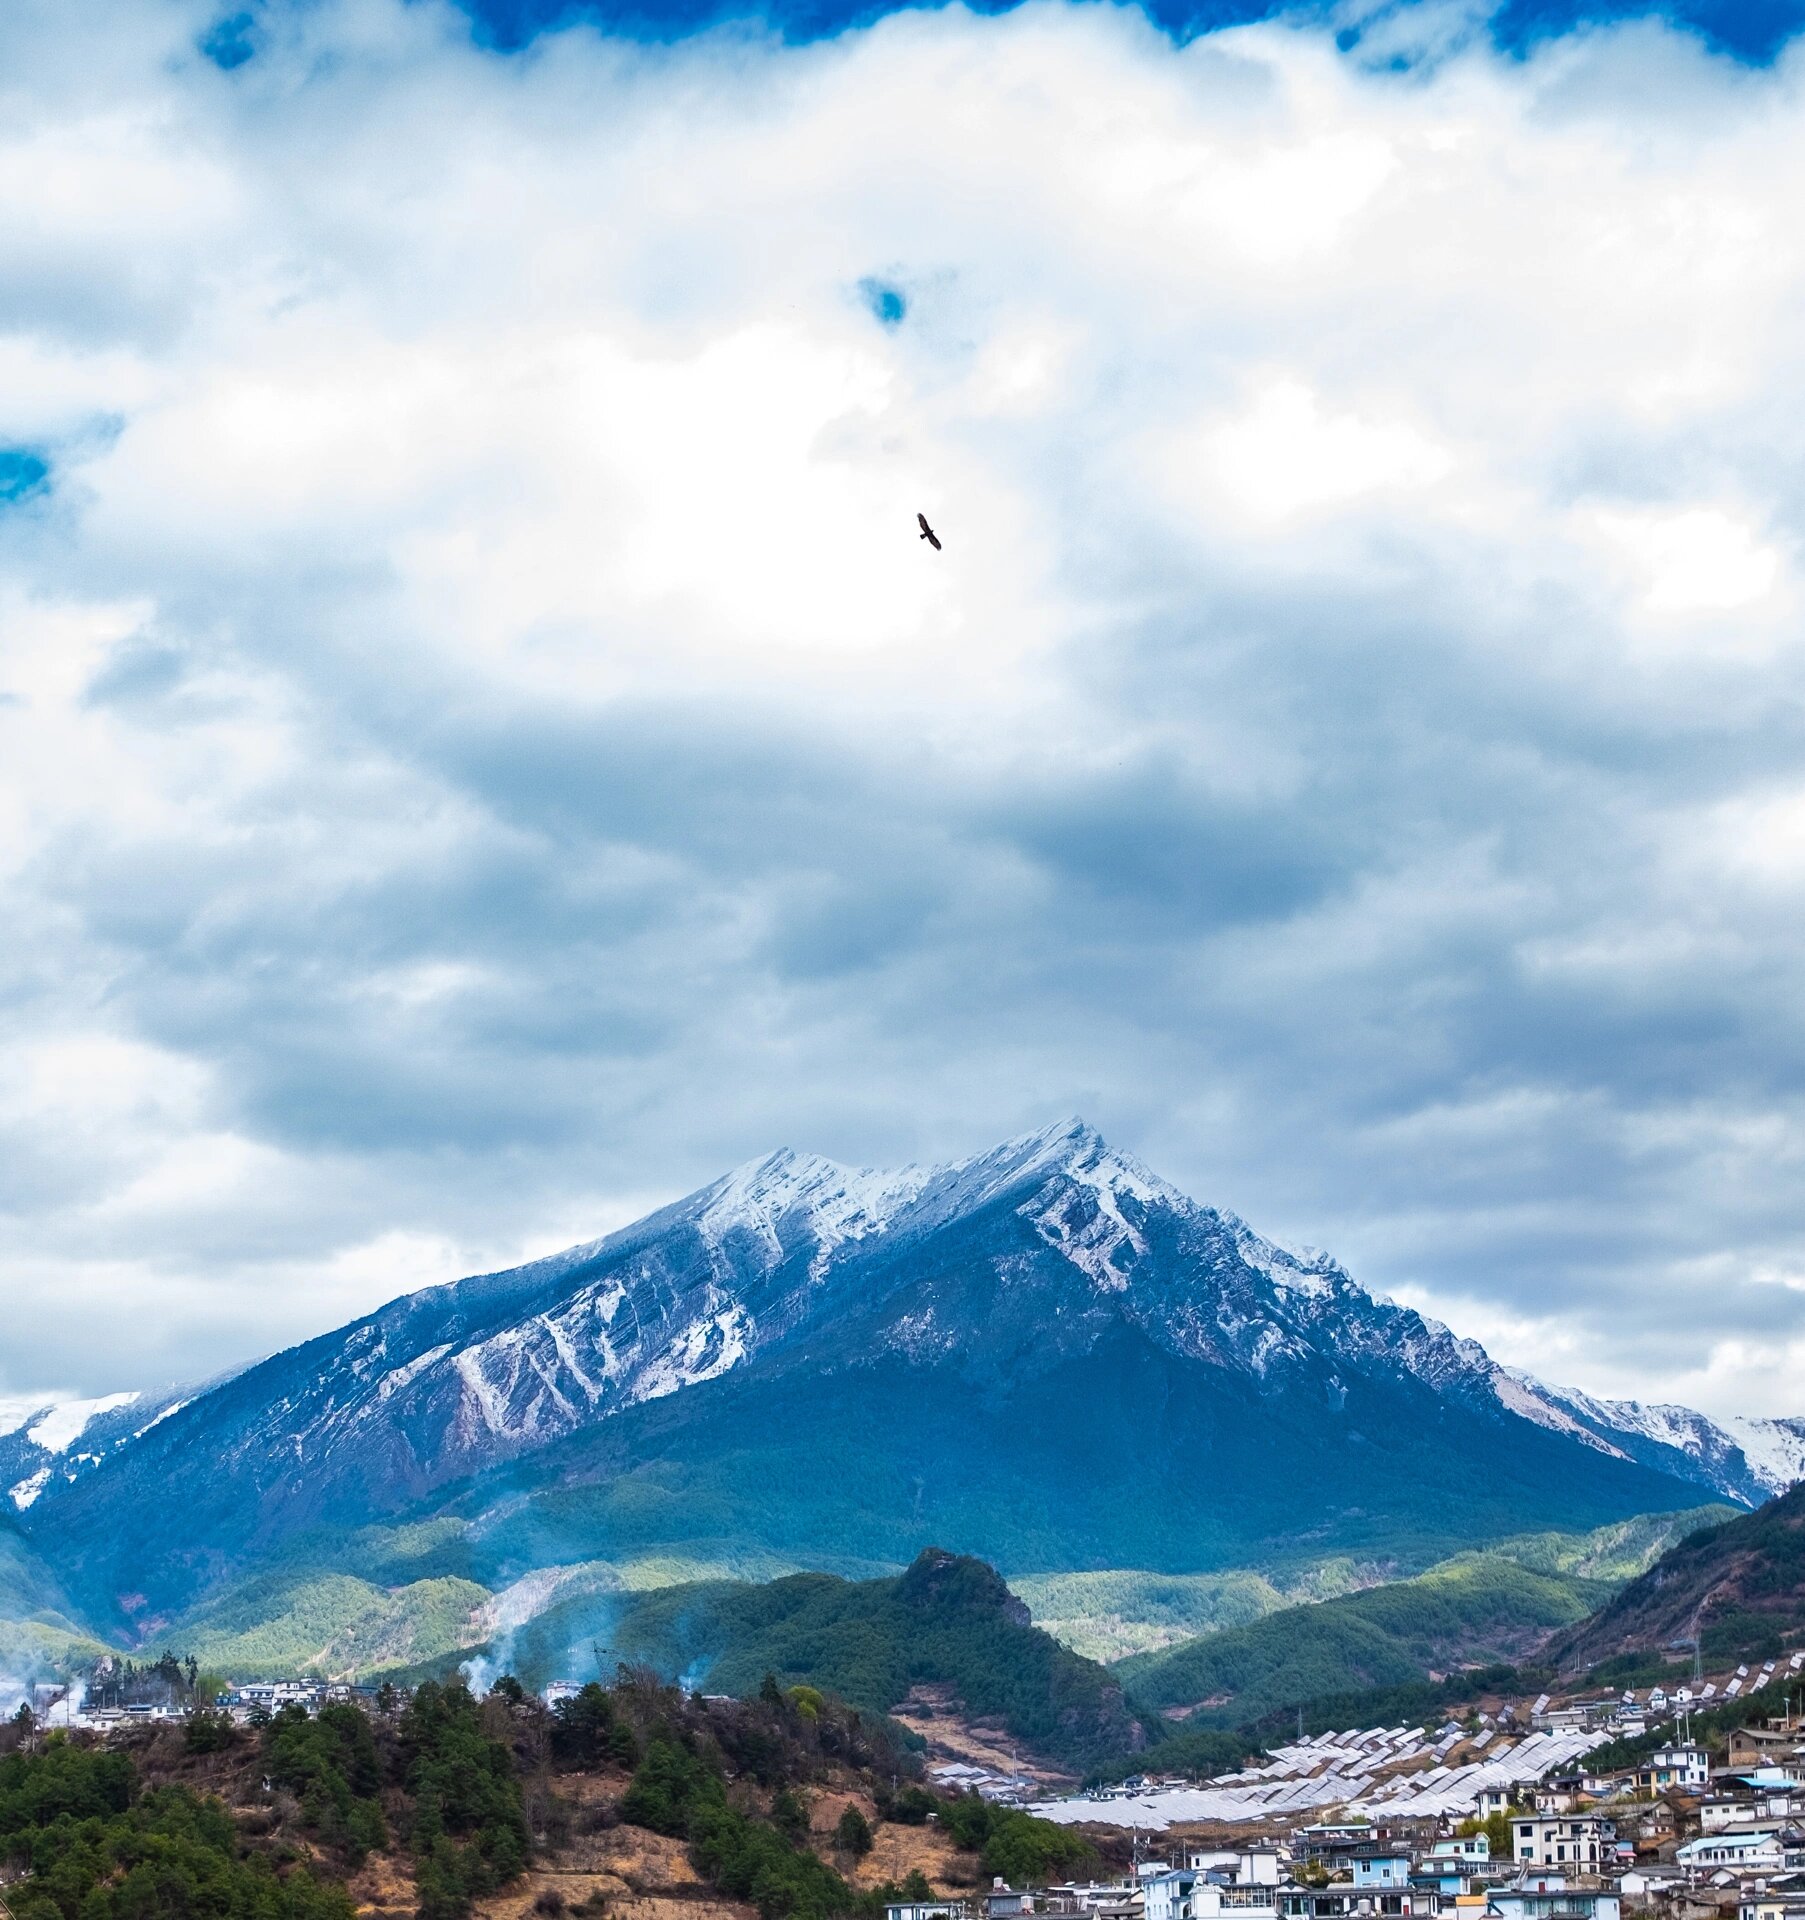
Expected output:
(859, 1308)
(1072, 1147)
(1072, 1136)
(787, 1196)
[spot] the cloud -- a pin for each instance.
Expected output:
(482, 749)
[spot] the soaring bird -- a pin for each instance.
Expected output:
(928, 533)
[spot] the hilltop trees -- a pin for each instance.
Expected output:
(96, 1848)
(586, 1732)
(469, 1833)
(331, 1765)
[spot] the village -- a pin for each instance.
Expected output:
(1496, 1818)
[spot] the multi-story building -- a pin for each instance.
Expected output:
(1578, 1841)
(1684, 1769)
(1343, 1902)
(1554, 1903)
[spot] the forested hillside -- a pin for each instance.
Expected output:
(96, 1843)
(1477, 1607)
(38, 1632)
(333, 1623)
(947, 1620)
(214, 1820)
(1738, 1587)
(1111, 1615)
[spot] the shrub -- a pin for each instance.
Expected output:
(586, 1732)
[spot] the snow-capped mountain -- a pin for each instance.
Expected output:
(1044, 1353)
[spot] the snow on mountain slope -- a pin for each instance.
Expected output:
(39, 1438)
(1774, 1449)
(1748, 1459)
(838, 1204)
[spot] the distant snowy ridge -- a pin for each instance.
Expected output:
(39, 1438)
(1749, 1458)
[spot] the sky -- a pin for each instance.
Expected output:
(483, 751)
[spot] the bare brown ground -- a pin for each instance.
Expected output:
(382, 1885)
(640, 1876)
(895, 1849)
(644, 1876)
(937, 1714)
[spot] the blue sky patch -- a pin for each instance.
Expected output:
(888, 303)
(230, 41)
(1752, 30)
(22, 473)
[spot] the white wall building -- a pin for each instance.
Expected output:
(1562, 1840)
(1756, 1850)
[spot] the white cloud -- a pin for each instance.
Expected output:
(1700, 560)
(1283, 456)
(483, 747)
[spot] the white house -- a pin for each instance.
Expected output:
(1256, 1866)
(1474, 1847)
(1782, 1899)
(1341, 1902)
(1685, 1768)
(1784, 1806)
(1568, 1903)
(1756, 1850)
(1168, 1894)
(1560, 1840)
(1185, 1893)
(1090, 1894)
(1212, 1901)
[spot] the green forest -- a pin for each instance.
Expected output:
(1471, 1610)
